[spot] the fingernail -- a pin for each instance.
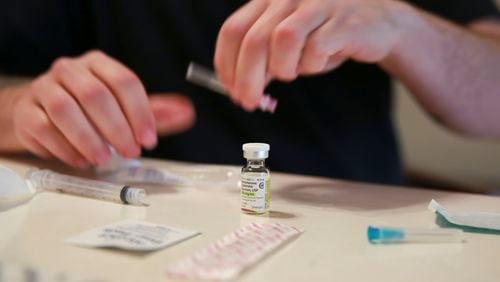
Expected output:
(103, 157)
(82, 164)
(249, 106)
(133, 152)
(149, 139)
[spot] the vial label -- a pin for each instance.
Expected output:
(255, 192)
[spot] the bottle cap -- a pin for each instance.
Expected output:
(255, 151)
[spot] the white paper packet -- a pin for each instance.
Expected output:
(471, 219)
(133, 235)
(229, 256)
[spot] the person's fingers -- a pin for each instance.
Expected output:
(173, 113)
(45, 133)
(65, 114)
(251, 68)
(129, 93)
(22, 124)
(334, 62)
(289, 38)
(35, 147)
(99, 105)
(229, 40)
(323, 43)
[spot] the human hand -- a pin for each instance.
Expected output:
(78, 107)
(282, 39)
(173, 113)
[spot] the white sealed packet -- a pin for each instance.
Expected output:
(132, 235)
(484, 220)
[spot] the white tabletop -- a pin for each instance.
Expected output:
(334, 214)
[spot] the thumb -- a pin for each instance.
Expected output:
(173, 113)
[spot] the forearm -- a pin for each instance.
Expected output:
(454, 73)
(8, 97)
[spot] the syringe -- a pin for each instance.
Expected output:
(206, 78)
(385, 235)
(47, 180)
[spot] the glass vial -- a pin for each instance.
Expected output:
(255, 179)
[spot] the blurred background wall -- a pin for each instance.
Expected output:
(435, 156)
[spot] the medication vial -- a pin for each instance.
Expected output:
(255, 179)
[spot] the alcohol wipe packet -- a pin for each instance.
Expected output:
(484, 220)
(133, 235)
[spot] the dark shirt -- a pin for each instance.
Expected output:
(336, 125)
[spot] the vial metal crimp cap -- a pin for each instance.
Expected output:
(256, 151)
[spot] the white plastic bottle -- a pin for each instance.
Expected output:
(255, 179)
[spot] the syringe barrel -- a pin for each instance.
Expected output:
(386, 235)
(47, 180)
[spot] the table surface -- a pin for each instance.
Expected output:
(334, 214)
